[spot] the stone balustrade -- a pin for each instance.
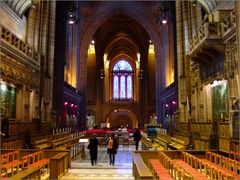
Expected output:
(213, 30)
(14, 41)
(207, 31)
(228, 23)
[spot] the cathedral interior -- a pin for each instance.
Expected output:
(70, 69)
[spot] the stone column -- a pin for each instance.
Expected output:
(237, 9)
(180, 55)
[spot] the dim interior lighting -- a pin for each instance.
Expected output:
(173, 102)
(65, 103)
(150, 41)
(102, 75)
(75, 106)
(163, 13)
(71, 21)
(194, 3)
(93, 42)
(71, 17)
(166, 105)
(164, 21)
(72, 105)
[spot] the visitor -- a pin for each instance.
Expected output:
(112, 148)
(137, 137)
(93, 149)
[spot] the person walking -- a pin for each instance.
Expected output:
(93, 149)
(112, 148)
(137, 137)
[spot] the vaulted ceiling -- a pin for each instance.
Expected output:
(213, 5)
(121, 35)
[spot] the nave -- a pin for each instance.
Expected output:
(82, 168)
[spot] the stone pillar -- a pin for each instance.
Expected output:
(180, 55)
(237, 9)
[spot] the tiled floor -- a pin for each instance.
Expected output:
(82, 169)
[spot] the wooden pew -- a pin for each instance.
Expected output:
(159, 171)
(58, 165)
(212, 170)
(222, 161)
(140, 169)
(176, 171)
(42, 144)
(38, 161)
(32, 173)
(57, 140)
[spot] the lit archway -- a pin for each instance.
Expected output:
(122, 118)
(144, 20)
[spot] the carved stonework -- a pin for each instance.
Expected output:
(18, 73)
(231, 62)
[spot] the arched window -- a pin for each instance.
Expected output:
(122, 80)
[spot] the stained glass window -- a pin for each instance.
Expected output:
(116, 88)
(122, 65)
(129, 87)
(122, 80)
(122, 88)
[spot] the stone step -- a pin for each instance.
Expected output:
(89, 174)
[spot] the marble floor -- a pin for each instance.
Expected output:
(82, 168)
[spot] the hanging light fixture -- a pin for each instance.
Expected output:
(102, 75)
(163, 13)
(72, 18)
(71, 14)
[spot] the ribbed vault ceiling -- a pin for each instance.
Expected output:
(214, 5)
(121, 35)
(19, 6)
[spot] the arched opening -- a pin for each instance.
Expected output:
(147, 25)
(122, 118)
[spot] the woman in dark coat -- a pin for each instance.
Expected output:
(137, 137)
(112, 148)
(93, 147)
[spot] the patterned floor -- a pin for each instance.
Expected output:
(82, 168)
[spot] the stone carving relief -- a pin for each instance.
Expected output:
(231, 63)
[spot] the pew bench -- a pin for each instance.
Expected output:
(211, 169)
(193, 172)
(140, 169)
(31, 173)
(158, 170)
(42, 144)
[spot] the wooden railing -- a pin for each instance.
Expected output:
(16, 128)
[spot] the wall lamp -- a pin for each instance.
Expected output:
(102, 75)
(140, 75)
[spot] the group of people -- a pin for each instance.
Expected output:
(112, 146)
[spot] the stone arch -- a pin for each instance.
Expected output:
(143, 19)
(122, 119)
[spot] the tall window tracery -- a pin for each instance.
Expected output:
(122, 81)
